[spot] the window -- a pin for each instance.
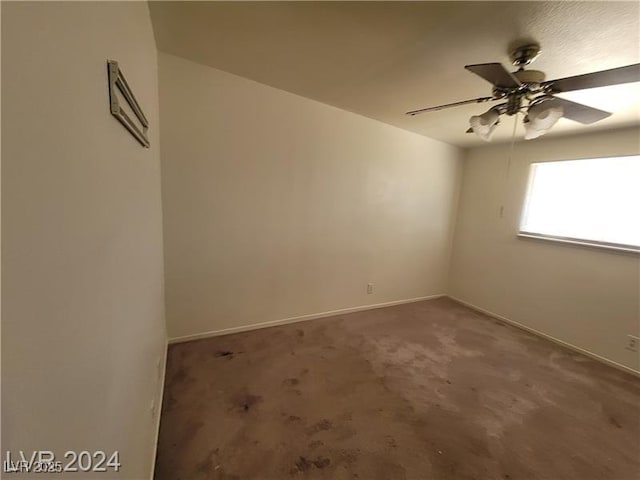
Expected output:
(593, 201)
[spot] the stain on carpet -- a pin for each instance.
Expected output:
(243, 402)
(303, 464)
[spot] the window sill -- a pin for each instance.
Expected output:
(581, 243)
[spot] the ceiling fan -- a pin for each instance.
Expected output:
(527, 91)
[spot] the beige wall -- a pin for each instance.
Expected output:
(587, 297)
(83, 312)
(277, 206)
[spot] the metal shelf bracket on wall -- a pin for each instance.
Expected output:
(117, 83)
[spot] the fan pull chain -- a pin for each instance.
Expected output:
(508, 170)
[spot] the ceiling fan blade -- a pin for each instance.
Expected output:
(495, 73)
(578, 112)
(615, 76)
(448, 105)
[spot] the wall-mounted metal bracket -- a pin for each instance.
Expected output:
(117, 83)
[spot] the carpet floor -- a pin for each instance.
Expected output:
(422, 391)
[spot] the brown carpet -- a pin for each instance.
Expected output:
(423, 391)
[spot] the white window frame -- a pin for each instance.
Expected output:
(567, 240)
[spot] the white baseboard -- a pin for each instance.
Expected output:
(301, 318)
(159, 399)
(538, 333)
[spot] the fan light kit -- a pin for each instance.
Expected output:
(527, 91)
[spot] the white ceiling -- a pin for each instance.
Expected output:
(381, 59)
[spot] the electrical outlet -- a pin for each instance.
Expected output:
(633, 343)
(369, 288)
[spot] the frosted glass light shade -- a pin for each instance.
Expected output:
(485, 124)
(541, 119)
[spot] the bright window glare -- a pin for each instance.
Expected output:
(595, 199)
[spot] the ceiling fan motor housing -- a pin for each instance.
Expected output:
(514, 101)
